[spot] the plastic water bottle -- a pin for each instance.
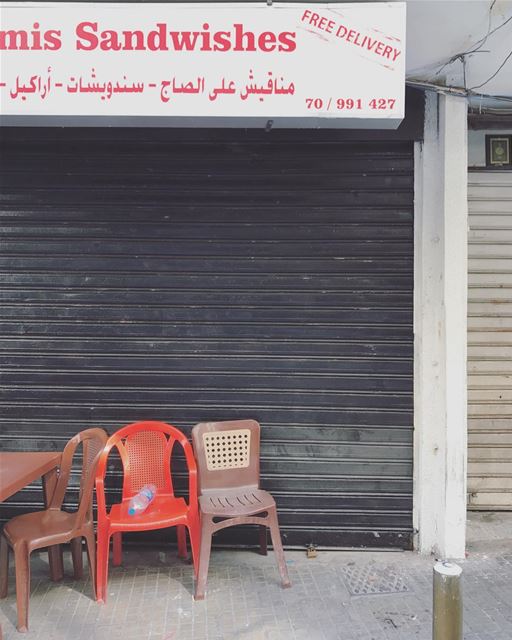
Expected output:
(140, 502)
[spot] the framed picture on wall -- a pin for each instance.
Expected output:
(498, 151)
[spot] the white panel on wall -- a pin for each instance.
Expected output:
(490, 340)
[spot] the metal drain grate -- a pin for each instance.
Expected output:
(363, 580)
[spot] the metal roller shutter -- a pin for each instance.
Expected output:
(189, 276)
(490, 340)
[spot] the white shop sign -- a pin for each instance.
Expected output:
(336, 65)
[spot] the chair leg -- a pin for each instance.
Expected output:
(204, 559)
(22, 567)
(56, 562)
(4, 566)
(278, 548)
(194, 532)
(55, 557)
(182, 541)
(102, 565)
(77, 557)
(263, 540)
(90, 545)
(117, 544)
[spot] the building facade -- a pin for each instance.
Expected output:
(315, 280)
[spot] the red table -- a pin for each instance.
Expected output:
(20, 468)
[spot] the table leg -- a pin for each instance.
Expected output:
(54, 553)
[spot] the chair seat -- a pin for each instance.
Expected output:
(41, 528)
(235, 502)
(164, 511)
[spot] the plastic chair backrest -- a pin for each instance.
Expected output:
(227, 453)
(93, 441)
(145, 449)
(146, 460)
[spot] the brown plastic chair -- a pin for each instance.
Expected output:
(53, 526)
(228, 460)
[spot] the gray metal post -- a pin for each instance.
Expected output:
(447, 610)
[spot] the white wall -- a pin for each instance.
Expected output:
(476, 145)
(438, 30)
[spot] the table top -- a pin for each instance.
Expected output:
(19, 468)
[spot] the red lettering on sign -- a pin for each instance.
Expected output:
(90, 36)
(33, 40)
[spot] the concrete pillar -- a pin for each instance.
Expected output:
(440, 319)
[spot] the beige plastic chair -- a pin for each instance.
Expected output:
(228, 461)
(53, 526)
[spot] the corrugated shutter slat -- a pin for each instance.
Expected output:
(240, 274)
(490, 340)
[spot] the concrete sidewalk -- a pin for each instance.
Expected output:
(337, 596)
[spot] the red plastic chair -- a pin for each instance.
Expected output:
(145, 449)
